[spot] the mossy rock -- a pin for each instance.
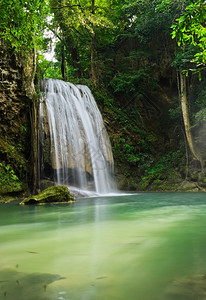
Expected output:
(54, 194)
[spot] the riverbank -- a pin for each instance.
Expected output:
(165, 186)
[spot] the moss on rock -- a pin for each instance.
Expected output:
(54, 194)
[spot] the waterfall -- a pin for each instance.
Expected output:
(74, 144)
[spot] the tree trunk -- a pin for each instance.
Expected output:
(185, 114)
(63, 64)
(93, 51)
(93, 63)
(34, 137)
(34, 132)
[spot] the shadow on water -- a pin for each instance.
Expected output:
(187, 288)
(21, 286)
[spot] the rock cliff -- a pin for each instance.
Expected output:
(16, 95)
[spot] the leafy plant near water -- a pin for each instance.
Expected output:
(163, 169)
(9, 181)
(127, 151)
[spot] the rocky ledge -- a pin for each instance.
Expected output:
(53, 195)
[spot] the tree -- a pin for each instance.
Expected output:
(185, 114)
(190, 29)
(21, 23)
(144, 43)
(84, 26)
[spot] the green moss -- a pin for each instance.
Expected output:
(54, 194)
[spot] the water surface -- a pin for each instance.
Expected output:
(149, 246)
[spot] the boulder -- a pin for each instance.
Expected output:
(54, 194)
(46, 183)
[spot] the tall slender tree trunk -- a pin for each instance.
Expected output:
(63, 64)
(93, 51)
(34, 123)
(34, 132)
(185, 114)
(93, 63)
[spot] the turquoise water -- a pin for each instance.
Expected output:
(148, 246)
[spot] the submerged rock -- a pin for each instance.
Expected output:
(54, 194)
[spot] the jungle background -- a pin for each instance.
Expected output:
(145, 64)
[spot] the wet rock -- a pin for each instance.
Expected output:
(78, 194)
(55, 194)
(202, 180)
(46, 183)
(189, 186)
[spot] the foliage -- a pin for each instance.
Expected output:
(143, 45)
(134, 145)
(163, 170)
(199, 109)
(49, 69)
(21, 21)
(184, 59)
(129, 44)
(8, 179)
(200, 94)
(128, 82)
(82, 29)
(12, 154)
(190, 30)
(126, 151)
(162, 165)
(149, 19)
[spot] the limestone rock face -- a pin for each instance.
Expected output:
(16, 96)
(16, 88)
(54, 194)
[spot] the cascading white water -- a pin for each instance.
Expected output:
(81, 152)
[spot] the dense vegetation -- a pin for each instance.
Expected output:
(144, 61)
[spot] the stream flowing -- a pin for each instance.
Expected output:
(146, 246)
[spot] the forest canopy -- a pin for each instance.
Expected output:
(86, 30)
(139, 57)
(22, 22)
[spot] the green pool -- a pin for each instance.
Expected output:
(147, 246)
